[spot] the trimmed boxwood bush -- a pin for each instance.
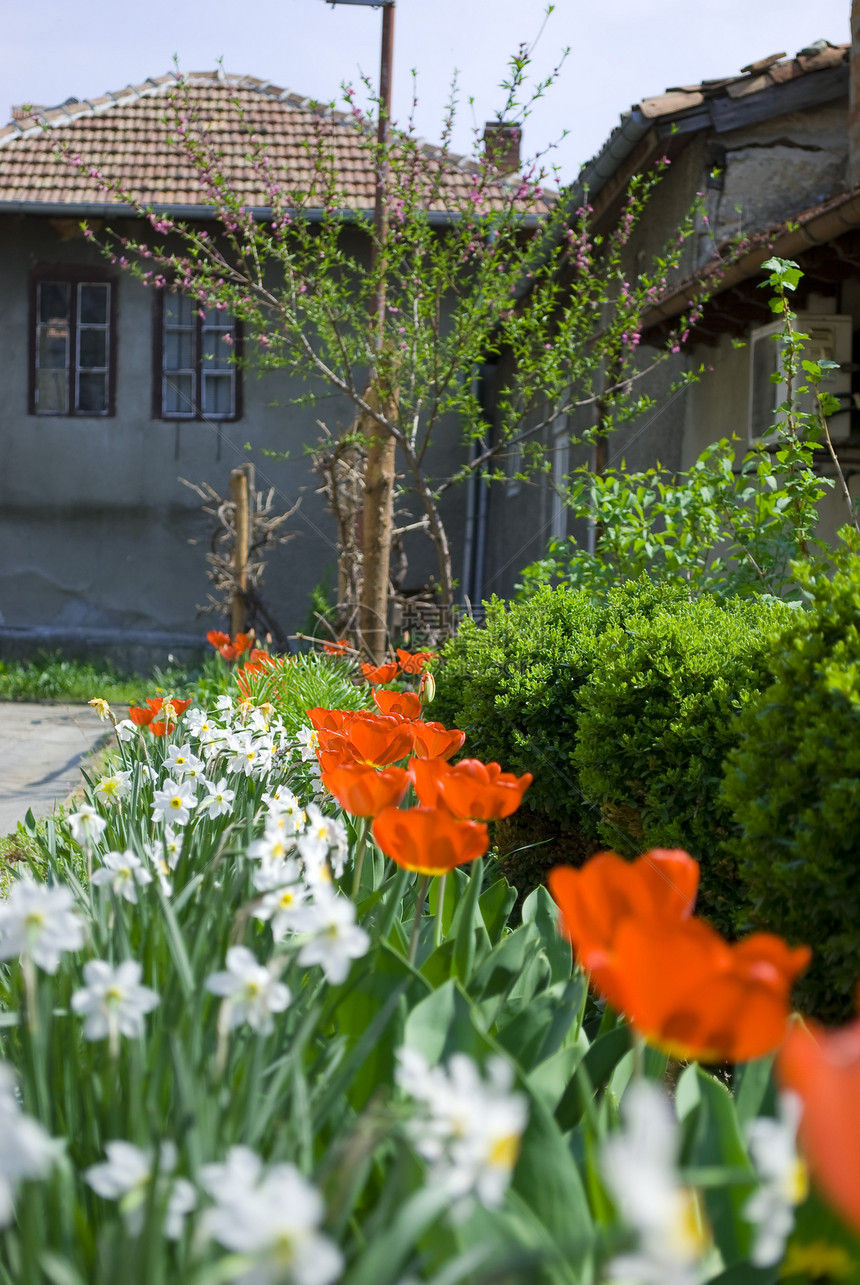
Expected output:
(657, 717)
(512, 684)
(793, 785)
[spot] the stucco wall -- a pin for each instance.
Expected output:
(94, 521)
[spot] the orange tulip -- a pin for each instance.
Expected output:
(329, 720)
(146, 717)
(432, 740)
(364, 792)
(370, 739)
(401, 704)
(426, 774)
(339, 648)
(823, 1068)
(428, 840)
(414, 662)
(229, 650)
(690, 993)
(679, 983)
(481, 791)
(381, 673)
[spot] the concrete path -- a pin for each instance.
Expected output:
(41, 751)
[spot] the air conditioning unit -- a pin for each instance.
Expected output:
(830, 336)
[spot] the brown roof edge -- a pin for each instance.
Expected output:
(811, 228)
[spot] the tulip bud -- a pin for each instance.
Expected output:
(426, 688)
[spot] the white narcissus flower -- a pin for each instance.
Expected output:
(251, 992)
(308, 742)
(180, 762)
(784, 1180)
(271, 1219)
(126, 730)
(113, 1002)
(27, 1152)
(285, 900)
(39, 921)
(110, 789)
(86, 825)
(173, 802)
(125, 1176)
(470, 1127)
(122, 872)
(335, 938)
(639, 1167)
(219, 800)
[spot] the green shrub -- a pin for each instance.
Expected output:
(657, 717)
(513, 686)
(793, 785)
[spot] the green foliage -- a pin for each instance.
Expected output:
(47, 676)
(793, 786)
(719, 526)
(295, 684)
(658, 715)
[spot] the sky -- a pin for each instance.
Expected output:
(620, 52)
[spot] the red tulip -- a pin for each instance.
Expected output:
(329, 720)
(823, 1068)
(429, 840)
(368, 738)
(401, 704)
(365, 792)
(339, 648)
(481, 791)
(229, 650)
(432, 740)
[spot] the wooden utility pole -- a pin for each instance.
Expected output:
(377, 517)
(241, 485)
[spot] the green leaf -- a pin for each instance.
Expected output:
(713, 1137)
(593, 1074)
(385, 1256)
(464, 941)
(752, 1081)
(496, 904)
(540, 909)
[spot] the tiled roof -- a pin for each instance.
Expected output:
(126, 136)
(758, 76)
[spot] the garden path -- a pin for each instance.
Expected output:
(42, 747)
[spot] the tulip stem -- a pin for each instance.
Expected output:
(419, 911)
(440, 910)
(360, 847)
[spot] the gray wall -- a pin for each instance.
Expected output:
(94, 521)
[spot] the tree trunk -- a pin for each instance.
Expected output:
(378, 520)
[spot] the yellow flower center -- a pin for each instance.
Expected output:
(176, 802)
(797, 1182)
(505, 1151)
(688, 1236)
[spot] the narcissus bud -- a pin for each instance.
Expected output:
(426, 688)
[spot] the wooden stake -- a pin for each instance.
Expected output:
(239, 494)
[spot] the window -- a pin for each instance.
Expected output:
(829, 338)
(73, 343)
(196, 376)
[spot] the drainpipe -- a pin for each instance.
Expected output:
(854, 99)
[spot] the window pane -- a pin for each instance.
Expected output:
(92, 394)
(216, 349)
(92, 348)
(52, 392)
(178, 310)
(178, 350)
(217, 394)
(178, 395)
(54, 301)
(53, 347)
(218, 317)
(93, 305)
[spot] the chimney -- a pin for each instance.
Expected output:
(854, 100)
(502, 142)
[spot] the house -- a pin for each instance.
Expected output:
(776, 151)
(111, 393)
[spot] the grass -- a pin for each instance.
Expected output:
(48, 677)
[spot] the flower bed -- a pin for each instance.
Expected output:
(283, 1030)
